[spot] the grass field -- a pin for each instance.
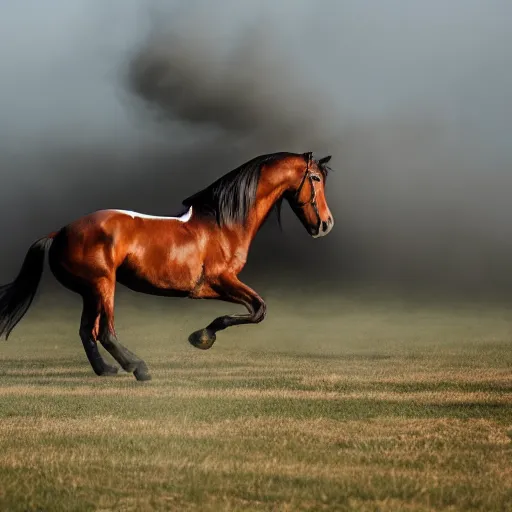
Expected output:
(355, 405)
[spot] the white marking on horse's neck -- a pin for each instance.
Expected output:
(182, 218)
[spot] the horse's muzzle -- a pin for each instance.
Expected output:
(324, 228)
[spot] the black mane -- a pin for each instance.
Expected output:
(230, 198)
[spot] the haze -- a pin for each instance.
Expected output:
(136, 104)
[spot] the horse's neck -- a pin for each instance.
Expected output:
(261, 209)
(268, 194)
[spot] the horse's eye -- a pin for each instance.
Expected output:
(315, 177)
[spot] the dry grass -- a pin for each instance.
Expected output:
(416, 418)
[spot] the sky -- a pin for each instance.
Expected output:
(137, 104)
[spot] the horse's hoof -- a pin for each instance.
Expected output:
(141, 373)
(203, 339)
(110, 370)
(107, 371)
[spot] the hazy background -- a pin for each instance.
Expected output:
(137, 104)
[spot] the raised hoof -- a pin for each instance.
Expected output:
(203, 339)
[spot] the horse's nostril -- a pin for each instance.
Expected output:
(324, 226)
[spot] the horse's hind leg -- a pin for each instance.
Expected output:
(89, 327)
(127, 359)
(107, 336)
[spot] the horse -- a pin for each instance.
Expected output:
(197, 254)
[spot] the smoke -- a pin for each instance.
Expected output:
(129, 107)
(248, 95)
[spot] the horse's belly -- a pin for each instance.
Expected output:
(165, 278)
(142, 285)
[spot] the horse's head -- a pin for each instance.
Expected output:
(307, 196)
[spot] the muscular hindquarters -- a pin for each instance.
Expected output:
(79, 259)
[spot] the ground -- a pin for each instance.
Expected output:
(333, 403)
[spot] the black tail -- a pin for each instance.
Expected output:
(16, 297)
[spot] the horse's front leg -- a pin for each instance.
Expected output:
(230, 289)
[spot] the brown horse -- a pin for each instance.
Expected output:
(197, 255)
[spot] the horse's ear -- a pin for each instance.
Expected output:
(324, 160)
